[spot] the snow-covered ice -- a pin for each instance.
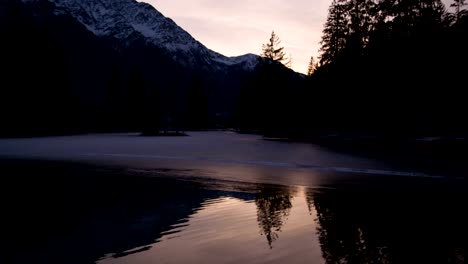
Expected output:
(223, 155)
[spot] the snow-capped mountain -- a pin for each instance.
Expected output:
(111, 65)
(128, 20)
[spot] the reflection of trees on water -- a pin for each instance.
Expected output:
(344, 240)
(273, 207)
(389, 228)
(75, 214)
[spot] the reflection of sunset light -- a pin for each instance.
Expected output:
(226, 229)
(258, 174)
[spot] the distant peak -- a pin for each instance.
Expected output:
(127, 20)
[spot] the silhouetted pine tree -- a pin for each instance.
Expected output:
(311, 67)
(272, 52)
(272, 83)
(361, 17)
(289, 62)
(334, 33)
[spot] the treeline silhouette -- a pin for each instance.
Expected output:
(387, 68)
(58, 78)
(392, 69)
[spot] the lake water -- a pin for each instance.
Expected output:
(104, 199)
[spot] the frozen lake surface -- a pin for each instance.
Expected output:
(220, 155)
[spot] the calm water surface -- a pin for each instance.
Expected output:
(273, 227)
(218, 197)
(72, 213)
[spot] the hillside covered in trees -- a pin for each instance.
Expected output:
(67, 68)
(395, 67)
(387, 68)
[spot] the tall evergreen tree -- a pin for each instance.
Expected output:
(334, 33)
(272, 51)
(289, 62)
(311, 67)
(361, 15)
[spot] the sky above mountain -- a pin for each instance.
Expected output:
(238, 27)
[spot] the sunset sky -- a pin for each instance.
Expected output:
(242, 26)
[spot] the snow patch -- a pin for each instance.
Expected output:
(144, 30)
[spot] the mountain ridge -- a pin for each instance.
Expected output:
(125, 20)
(112, 66)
